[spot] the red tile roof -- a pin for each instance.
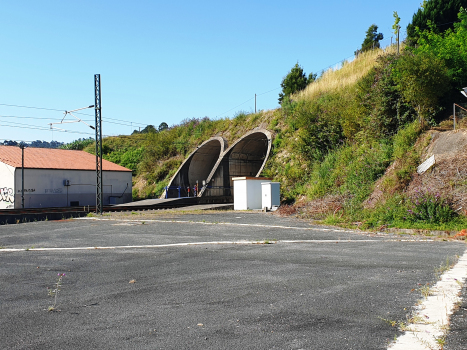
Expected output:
(47, 158)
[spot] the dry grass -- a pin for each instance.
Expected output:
(448, 178)
(341, 77)
(316, 209)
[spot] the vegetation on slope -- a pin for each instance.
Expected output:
(346, 147)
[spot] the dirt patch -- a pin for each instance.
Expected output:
(448, 177)
(447, 143)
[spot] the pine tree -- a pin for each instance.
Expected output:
(295, 81)
(372, 38)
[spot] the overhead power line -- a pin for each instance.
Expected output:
(41, 128)
(87, 120)
(129, 123)
(46, 109)
(241, 104)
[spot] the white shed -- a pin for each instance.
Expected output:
(247, 192)
(58, 178)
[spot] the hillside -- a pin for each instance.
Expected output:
(345, 149)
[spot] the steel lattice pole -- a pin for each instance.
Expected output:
(97, 106)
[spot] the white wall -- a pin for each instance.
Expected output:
(45, 188)
(247, 193)
(7, 186)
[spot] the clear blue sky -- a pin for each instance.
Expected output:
(166, 61)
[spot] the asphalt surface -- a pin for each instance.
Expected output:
(457, 338)
(331, 289)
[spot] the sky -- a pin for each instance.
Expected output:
(167, 61)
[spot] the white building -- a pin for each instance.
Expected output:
(58, 178)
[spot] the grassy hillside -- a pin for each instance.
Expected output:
(333, 142)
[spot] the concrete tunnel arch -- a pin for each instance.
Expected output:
(196, 168)
(215, 165)
(246, 157)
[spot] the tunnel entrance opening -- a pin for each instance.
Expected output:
(208, 171)
(246, 157)
(190, 176)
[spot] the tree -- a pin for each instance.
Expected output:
(10, 143)
(163, 126)
(422, 80)
(293, 82)
(372, 39)
(311, 78)
(441, 13)
(149, 129)
(78, 144)
(450, 46)
(397, 28)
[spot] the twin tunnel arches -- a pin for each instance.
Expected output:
(208, 171)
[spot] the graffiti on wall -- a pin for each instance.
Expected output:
(7, 195)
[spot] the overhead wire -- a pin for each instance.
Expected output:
(86, 120)
(41, 128)
(47, 109)
(241, 104)
(129, 123)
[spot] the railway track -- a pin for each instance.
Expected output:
(14, 216)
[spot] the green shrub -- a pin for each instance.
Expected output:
(380, 107)
(164, 171)
(422, 80)
(405, 139)
(429, 207)
(127, 157)
(350, 171)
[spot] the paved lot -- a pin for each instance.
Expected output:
(330, 289)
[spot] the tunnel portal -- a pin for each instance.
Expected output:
(246, 157)
(208, 171)
(196, 168)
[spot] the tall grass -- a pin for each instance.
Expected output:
(339, 78)
(350, 171)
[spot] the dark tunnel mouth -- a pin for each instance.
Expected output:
(209, 165)
(246, 157)
(196, 169)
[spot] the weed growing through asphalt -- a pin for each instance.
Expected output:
(403, 326)
(441, 341)
(445, 266)
(425, 290)
(53, 292)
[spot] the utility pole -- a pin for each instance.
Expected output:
(97, 104)
(22, 174)
(255, 103)
(398, 31)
